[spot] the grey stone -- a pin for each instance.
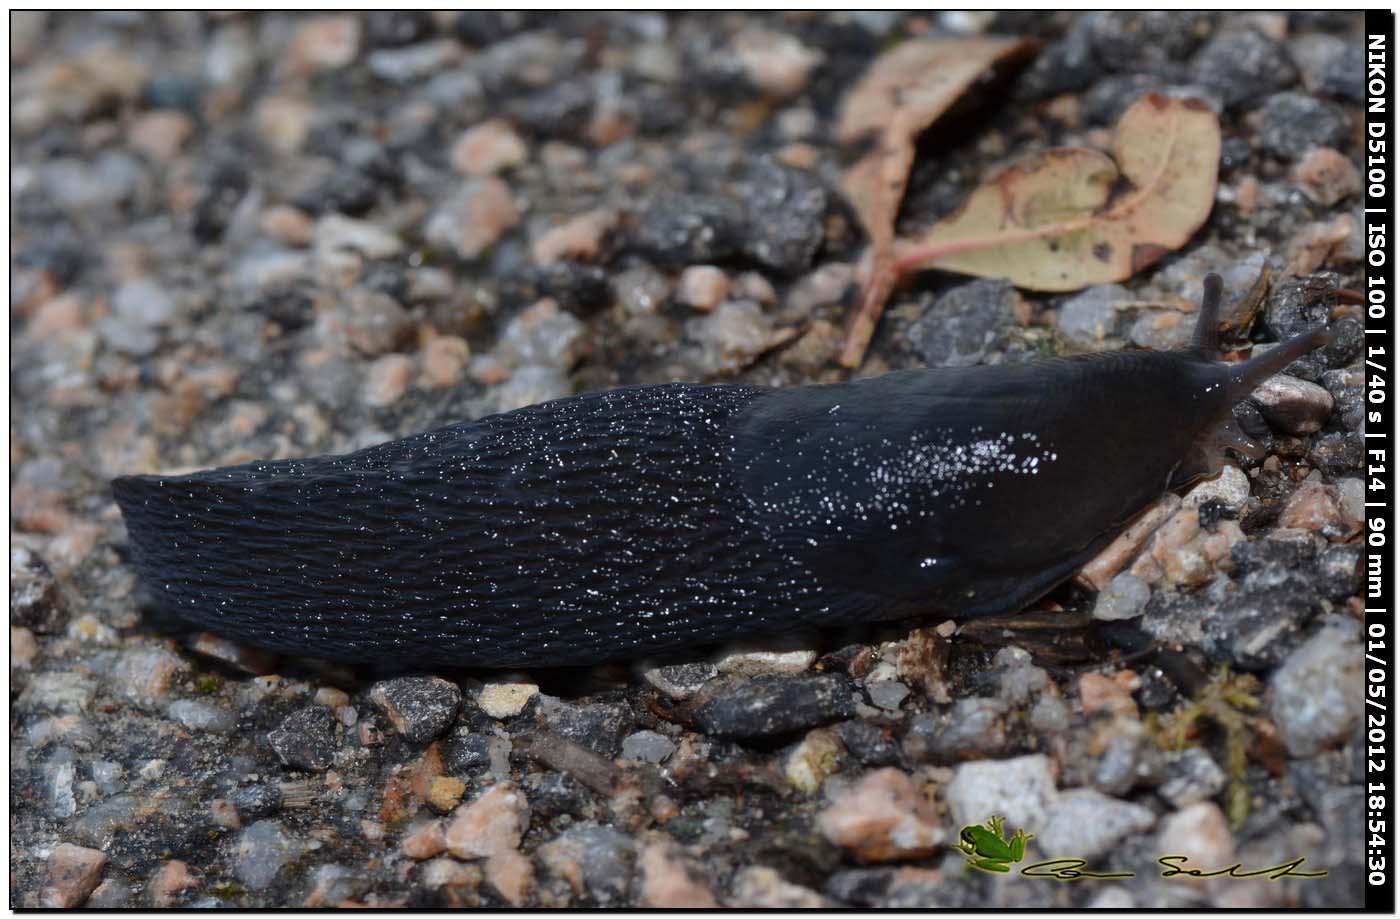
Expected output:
(1019, 680)
(648, 747)
(606, 859)
(1089, 319)
(1191, 776)
(63, 691)
(1242, 66)
(765, 707)
(680, 681)
(1019, 790)
(1292, 405)
(868, 743)
(305, 739)
(554, 793)
(786, 216)
(144, 302)
(1088, 823)
(966, 324)
(1124, 597)
(887, 694)
(254, 802)
(202, 716)
(1292, 123)
(263, 850)
(972, 728)
(1298, 305)
(1316, 696)
(599, 726)
(35, 600)
(467, 752)
(421, 708)
(680, 230)
(544, 338)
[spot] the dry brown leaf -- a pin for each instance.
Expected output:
(916, 81)
(1069, 218)
(904, 92)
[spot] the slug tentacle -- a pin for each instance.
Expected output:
(1242, 379)
(1206, 339)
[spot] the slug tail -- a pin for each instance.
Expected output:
(1246, 377)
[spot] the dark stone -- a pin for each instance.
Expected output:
(1235, 153)
(1111, 96)
(467, 752)
(561, 110)
(575, 286)
(347, 191)
(171, 91)
(660, 109)
(218, 199)
(1291, 123)
(35, 600)
(554, 793)
(1256, 629)
(680, 230)
(1336, 453)
(396, 28)
(1339, 572)
(61, 253)
(257, 801)
(599, 726)
(1156, 690)
(1298, 305)
(1343, 76)
(1063, 66)
(1138, 40)
(1242, 66)
(868, 743)
(1252, 422)
(486, 27)
(1212, 512)
(770, 706)
(289, 307)
(1348, 398)
(1274, 562)
(608, 863)
(972, 729)
(786, 216)
(966, 324)
(305, 739)
(421, 708)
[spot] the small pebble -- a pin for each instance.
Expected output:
(73, 873)
(647, 747)
(494, 822)
(702, 287)
(1089, 823)
(1316, 696)
(305, 739)
(1019, 790)
(487, 148)
(506, 700)
(1292, 405)
(420, 708)
(883, 818)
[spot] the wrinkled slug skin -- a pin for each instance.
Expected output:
(655, 518)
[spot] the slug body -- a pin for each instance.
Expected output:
(654, 518)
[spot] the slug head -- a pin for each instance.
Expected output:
(1234, 383)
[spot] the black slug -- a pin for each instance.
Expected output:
(655, 518)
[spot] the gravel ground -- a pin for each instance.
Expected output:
(246, 236)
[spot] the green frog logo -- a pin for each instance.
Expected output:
(986, 848)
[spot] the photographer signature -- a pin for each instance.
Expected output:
(988, 848)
